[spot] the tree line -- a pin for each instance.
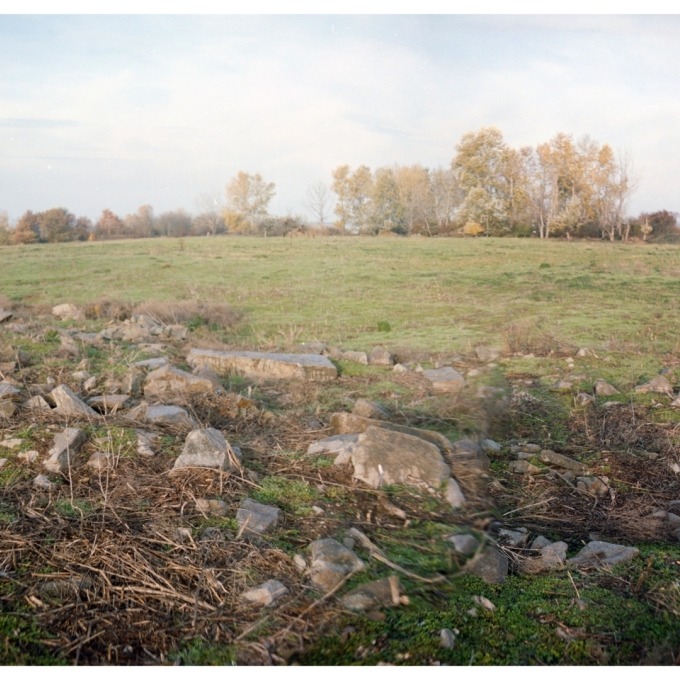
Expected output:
(561, 188)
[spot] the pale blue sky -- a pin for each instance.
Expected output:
(117, 111)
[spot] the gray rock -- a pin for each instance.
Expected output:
(331, 562)
(445, 380)
(255, 519)
(65, 447)
(8, 391)
(386, 457)
(491, 566)
(468, 453)
(540, 542)
(490, 447)
(43, 483)
(356, 357)
(174, 385)
(582, 399)
(464, 544)
(454, 494)
(145, 442)
(558, 460)
(205, 448)
(602, 554)
(447, 638)
(37, 404)
(11, 443)
(516, 538)
(265, 365)
(659, 385)
(152, 364)
(523, 467)
(28, 456)
(3, 462)
(340, 444)
(374, 595)
(369, 409)
(379, 356)
(5, 315)
(69, 404)
(169, 415)
(553, 556)
(604, 389)
(108, 403)
(348, 423)
(266, 594)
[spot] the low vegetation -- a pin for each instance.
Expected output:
(113, 567)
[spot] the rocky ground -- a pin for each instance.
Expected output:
(167, 499)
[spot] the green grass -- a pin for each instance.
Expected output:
(437, 294)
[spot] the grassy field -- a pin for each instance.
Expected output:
(435, 294)
(424, 299)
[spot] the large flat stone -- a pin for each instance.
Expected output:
(265, 365)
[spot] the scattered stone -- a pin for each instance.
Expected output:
(484, 602)
(604, 389)
(531, 448)
(8, 391)
(565, 385)
(400, 368)
(65, 588)
(67, 312)
(553, 556)
(207, 449)
(468, 453)
(374, 595)
(11, 443)
(65, 447)
(348, 423)
(659, 385)
(163, 415)
(602, 554)
(90, 384)
(100, 461)
(464, 544)
(5, 315)
(42, 482)
(454, 495)
(28, 456)
(356, 357)
(582, 399)
(314, 347)
(516, 538)
(3, 462)
(69, 404)
(386, 457)
(523, 467)
(209, 506)
(369, 409)
(152, 364)
(490, 447)
(491, 565)
(447, 637)
(379, 356)
(255, 519)
(540, 542)
(108, 403)
(145, 442)
(593, 486)
(265, 365)
(557, 459)
(172, 384)
(445, 380)
(266, 594)
(331, 562)
(340, 444)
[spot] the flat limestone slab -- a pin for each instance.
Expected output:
(265, 365)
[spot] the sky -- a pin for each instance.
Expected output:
(116, 111)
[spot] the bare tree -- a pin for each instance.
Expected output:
(319, 202)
